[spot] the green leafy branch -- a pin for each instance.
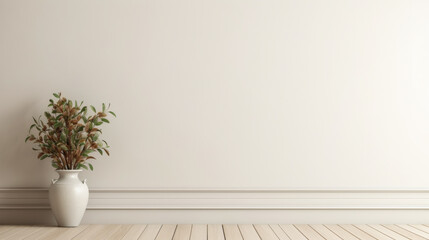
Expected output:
(69, 136)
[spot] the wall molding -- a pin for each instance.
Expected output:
(227, 199)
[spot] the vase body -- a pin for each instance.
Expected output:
(68, 197)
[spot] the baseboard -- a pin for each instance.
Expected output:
(210, 205)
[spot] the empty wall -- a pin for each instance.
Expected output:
(290, 95)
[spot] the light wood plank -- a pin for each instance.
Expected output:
(309, 232)
(215, 232)
(421, 227)
(62, 233)
(371, 231)
(89, 231)
(120, 232)
(199, 232)
(292, 232)
(341, 232)
(404, 232)
(183, 232)
(4, 228)
(415, 230)
(97, 232)
(42, 233)
(325, 232)
(232, 232)
(166, 232)
(134, 232)
(219, 232)
(150, 232)
(18, 232)
(265, 232)
(24, 234)
(279, 232)
(10, 231)
(388, 232)
(248, 232)
(357, 232)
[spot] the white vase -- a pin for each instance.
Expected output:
(68, 197)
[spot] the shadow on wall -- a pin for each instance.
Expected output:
(18, 162)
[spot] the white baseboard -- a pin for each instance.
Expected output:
(214, 205)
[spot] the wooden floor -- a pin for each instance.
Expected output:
(219, 232)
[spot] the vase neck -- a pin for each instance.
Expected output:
(69, 174)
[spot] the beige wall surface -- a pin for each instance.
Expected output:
(288, 94)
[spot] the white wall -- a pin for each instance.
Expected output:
(225, 94)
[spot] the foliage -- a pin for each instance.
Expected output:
(69, 137)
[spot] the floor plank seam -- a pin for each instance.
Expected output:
(424, 230)
(241, 234)
(317, 232)
(285, 232)
(300, 232)
(380, 232)
(144, 229)
(350, 232)
(406, 231)
(333, 232)
(190, 232)
(278, 237)
(159, 230)
(256, 230)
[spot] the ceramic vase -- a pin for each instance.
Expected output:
(68, 197)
